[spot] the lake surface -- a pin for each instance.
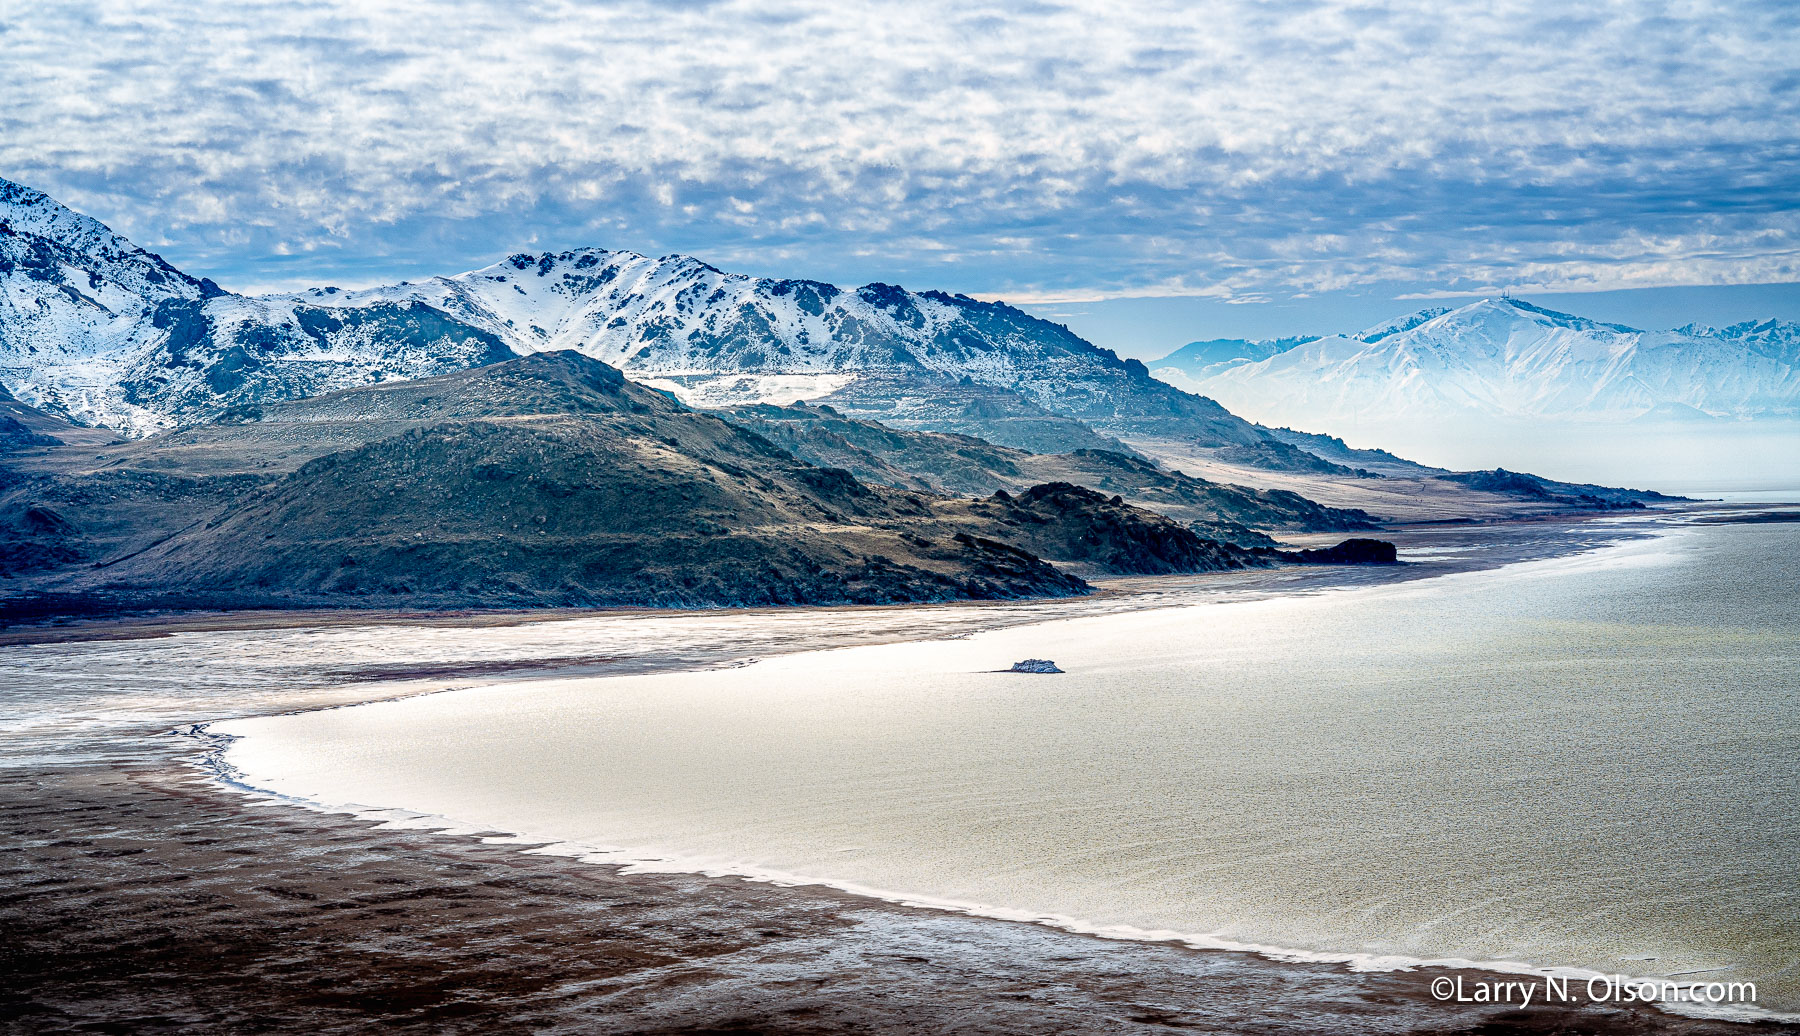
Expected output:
(1588, 762)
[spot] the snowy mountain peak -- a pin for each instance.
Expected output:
(97, 330)
(680, 316)
(1776, 339)
(1505, 357)
(1767, 329)
(27, 210)
(715, 338)
(179, 350)
(1495, 318)
(78, 258)
(1515, 308)
(1399, 324)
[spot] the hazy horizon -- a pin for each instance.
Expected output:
(1151, 328)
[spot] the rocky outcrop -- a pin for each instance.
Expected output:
(17, 435)
(1350, 552)
(1103, 534)
(561, 512)
(964, 464)
(546, 480)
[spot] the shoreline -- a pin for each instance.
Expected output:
(1006, 972)
(633, 863)
(560, 945)
(125, 624)
(651, 860)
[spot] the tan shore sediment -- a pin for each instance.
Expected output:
(142, 896)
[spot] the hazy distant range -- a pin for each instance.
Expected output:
(1698, 408)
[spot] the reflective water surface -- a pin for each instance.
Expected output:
(1581, 762)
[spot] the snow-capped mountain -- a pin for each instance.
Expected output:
(96, 329)
(1213, 355)
(1507, 358)
(75, 295)
(882, 351)
(1196, 361)
(99, 330)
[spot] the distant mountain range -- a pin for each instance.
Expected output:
(475, 441)
(1501, 358)
(99, 330)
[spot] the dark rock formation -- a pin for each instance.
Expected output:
(1105, 534)
(1350, 552)
(546, 480)
(16, 435)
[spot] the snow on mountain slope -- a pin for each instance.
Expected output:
(1777, 339)
(98, 330)
(678, 316)
(1215, 355)
(1399, 324)
(73, 295)
(1197, 361)
(1504, 358)
(720, 338)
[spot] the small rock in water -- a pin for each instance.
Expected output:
(1035, 665)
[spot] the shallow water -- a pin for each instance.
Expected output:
(1586, 762)
(76, 700)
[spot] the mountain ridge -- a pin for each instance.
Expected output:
(101, 331)
(1510, 358)
(548, 479)
(725, 338)
(954, 464)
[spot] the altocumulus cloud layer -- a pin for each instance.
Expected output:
(1216, 148)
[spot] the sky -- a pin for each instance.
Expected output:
(1149, 173)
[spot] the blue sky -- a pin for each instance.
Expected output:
(1251, 168)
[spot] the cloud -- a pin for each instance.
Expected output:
(1216, 149)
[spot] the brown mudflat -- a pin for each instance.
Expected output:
(144, 899)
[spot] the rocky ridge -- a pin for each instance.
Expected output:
(545, 480)
(98, 330)
(963, 465)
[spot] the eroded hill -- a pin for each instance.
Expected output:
(549, 479)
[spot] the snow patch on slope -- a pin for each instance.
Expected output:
(1507, 358)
